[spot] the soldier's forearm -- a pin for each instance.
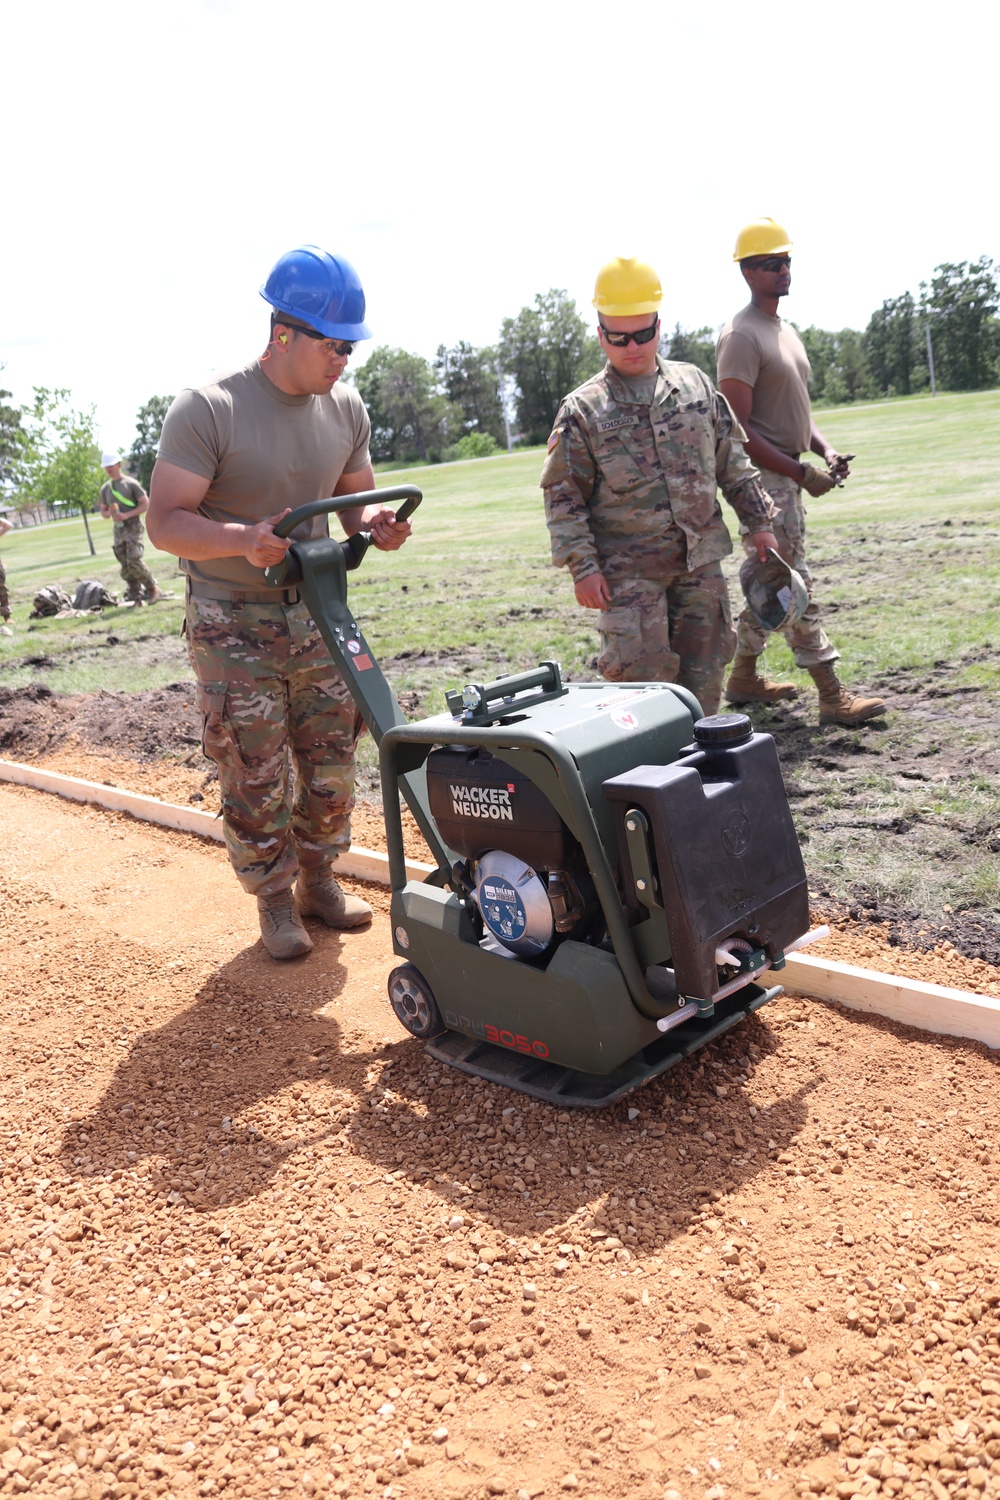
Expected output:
(751, 503)
(195, 537)
(766, 456)
(578, 554)
(818, 443)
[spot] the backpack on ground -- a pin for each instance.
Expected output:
(50, 601)
(93, 595)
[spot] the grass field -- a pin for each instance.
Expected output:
(907, 567)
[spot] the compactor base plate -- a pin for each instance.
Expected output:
(574, 1090)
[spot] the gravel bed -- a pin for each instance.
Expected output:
(254, 1243)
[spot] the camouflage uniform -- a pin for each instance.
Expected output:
(282, 729)
(128, 548)
(630, 492)
(809, 642)
(4, 596)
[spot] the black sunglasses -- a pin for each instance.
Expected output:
(339, 346)
(622, 340)
(772, 263)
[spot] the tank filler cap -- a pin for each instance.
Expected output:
(722, 730)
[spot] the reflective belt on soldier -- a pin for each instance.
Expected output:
(123, 500)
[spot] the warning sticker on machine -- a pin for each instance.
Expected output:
(617, 699)
(624, 718)
(494, 802)
(362, 663)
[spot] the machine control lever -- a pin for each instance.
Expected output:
(481, 703)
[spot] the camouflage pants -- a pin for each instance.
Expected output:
(675, 629)
(279, 723)
(4, 596)
(139, 581)
(808, 640)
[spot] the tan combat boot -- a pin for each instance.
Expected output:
(318, 894)
(746, 686)
(281, 928)
(837, 704)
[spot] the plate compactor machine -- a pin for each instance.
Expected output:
(614, 870)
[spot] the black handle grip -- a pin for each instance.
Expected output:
(545, 676)
(408, 493)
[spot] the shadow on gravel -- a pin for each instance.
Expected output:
(523, 1165)
(228, 1093)
(218, 1095)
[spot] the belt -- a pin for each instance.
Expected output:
(200, 590)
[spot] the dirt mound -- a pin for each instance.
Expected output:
(143, 726)
(899, 829)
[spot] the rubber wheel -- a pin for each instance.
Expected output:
(412, 999)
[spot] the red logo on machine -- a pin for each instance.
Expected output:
(515, 1042)
(512, 1039)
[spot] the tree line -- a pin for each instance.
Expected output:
(469, 402)
(50, 460)
(456, 406)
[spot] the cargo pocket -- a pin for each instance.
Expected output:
(218, 736)
(621, 642)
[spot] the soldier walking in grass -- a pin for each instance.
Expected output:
(634, 461)
(763, 372)
(5, 526)
(124, 501)
(234, 458)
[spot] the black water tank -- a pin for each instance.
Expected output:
(725, 847)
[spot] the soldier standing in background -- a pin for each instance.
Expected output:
(5, 526)
(635, 458)
(763, 371)
(123, 501)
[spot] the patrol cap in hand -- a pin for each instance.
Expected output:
(776, 594)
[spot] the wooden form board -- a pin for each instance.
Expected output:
(363, 864)
(930, 1007)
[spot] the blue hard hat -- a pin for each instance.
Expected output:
(321, 289)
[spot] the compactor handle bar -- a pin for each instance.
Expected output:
(477, 702)
(410, 495)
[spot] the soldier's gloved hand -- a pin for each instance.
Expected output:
(839, 464)
(815, 482)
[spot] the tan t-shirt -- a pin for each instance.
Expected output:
(128, 490)
(768, 355)
(262, 450)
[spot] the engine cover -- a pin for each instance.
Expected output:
(481, 803)
(514, 904)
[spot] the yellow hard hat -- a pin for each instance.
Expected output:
(625, 287)
(761, 237)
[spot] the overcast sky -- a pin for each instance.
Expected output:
(159, 158)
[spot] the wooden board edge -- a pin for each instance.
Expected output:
(362, 864)
(912, 1002)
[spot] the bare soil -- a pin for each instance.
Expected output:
(255, 1243)
(871, 807)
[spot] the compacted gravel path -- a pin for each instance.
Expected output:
(254, 1243)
